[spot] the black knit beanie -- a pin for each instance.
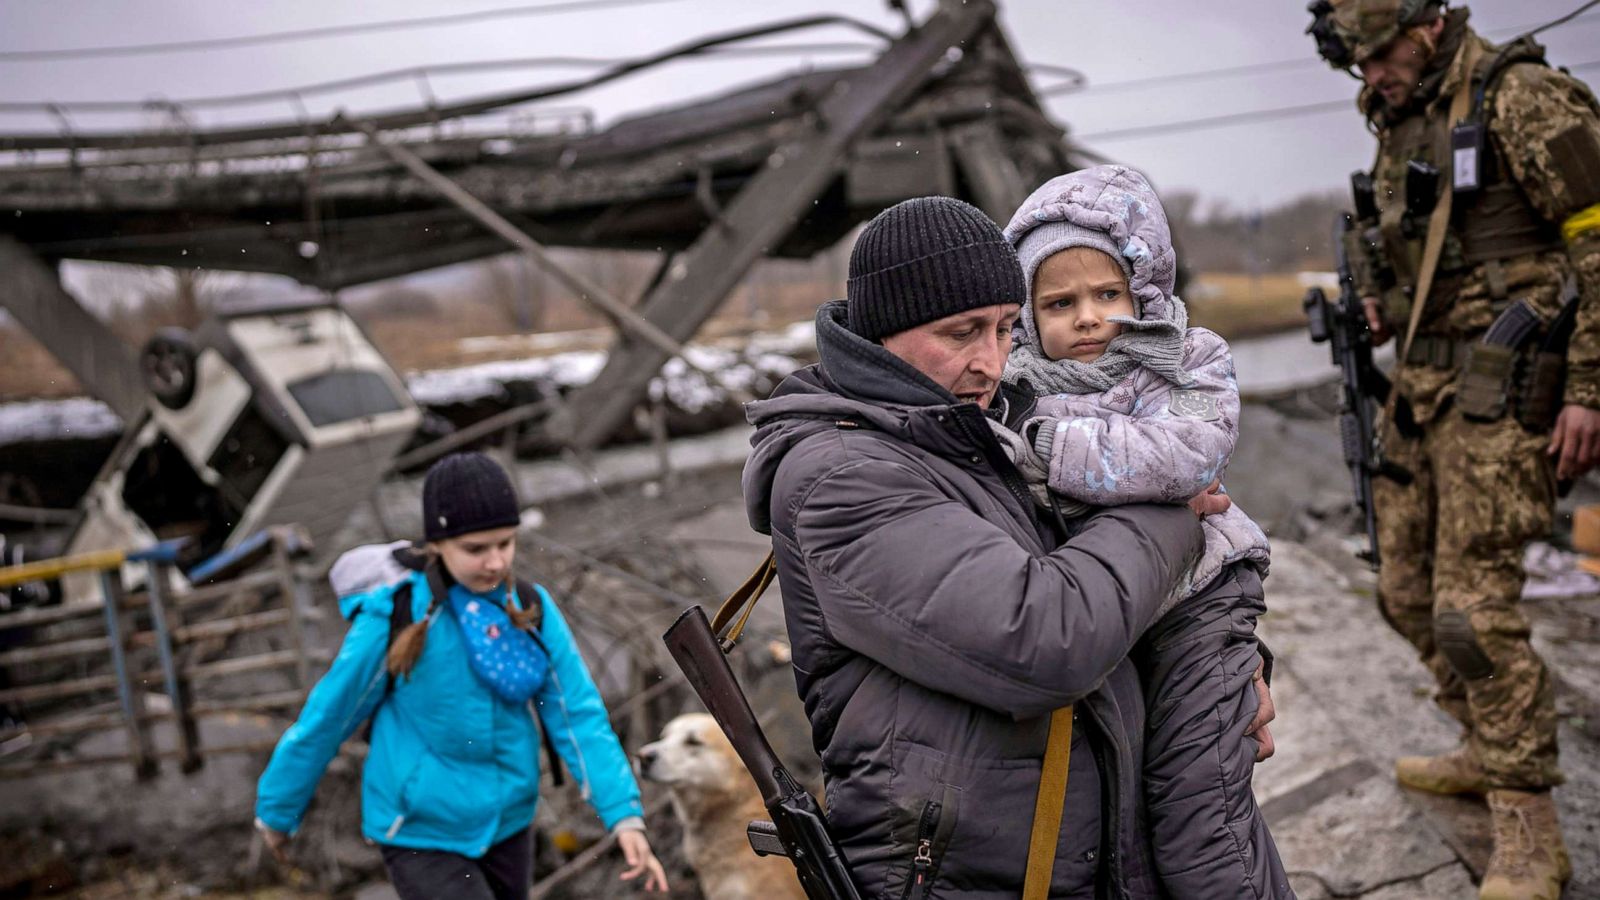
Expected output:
(466, 492)
(925, 259)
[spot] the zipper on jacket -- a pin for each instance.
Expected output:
(1108, 872)
(920, 879)
(577, 747)
(1005, 468)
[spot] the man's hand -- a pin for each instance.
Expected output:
(1575, 441)
(1265, 713)
(1373, 307)
(1211, 501)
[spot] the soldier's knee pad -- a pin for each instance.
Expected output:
(1458, 643)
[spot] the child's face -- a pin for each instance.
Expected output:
(481, 560)
(1074, 293)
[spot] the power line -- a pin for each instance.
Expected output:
(1243, 118)
(430, 114)
(275, 37)
(415, 72)
(1301, 62)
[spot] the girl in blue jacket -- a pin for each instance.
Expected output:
(452, 776)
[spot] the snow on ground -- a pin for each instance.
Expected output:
(37, 420)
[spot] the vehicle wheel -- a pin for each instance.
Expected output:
(168, 364)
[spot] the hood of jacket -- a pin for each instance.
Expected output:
(859, 382)
(1119, 202)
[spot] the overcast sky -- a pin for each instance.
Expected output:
(1242, 166)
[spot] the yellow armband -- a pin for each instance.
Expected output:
(1581, 223)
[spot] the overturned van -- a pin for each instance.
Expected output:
(270, 414)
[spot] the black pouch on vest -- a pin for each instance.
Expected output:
(1540, 402)
(1484, 391)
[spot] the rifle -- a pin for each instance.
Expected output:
(1343, 325)
(797, 830)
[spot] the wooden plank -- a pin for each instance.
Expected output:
(56, 690)
(42, 652)
(215, 628)
(251, 582)
(27, 769)
(218, 628)
(201, 709)
(48, 615)
(276, 700)
(259, 662)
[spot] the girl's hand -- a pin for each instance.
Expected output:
(276, 841)
(641, 861)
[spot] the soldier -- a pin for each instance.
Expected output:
(1498, 155)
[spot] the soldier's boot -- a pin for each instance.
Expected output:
(1456, 772)
(1530, 859)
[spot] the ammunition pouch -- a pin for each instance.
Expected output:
(1364, 266)
(1483, 393)
(1540, 401)
(1498, 380)
(1437, 352)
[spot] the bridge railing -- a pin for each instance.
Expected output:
(147, 653)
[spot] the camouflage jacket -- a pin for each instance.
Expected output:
(1531, 109)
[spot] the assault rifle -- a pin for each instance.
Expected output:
(797, 830)
(1343, 325)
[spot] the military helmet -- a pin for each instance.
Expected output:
(1349, 31)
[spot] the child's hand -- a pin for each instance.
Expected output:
(1265, 713)
(641, 860)
(277, 842)
(1211, 501)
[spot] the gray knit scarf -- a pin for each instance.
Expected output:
(1155, 345)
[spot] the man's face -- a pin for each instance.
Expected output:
(1395, 70)
(1075, 293)
(964, 353)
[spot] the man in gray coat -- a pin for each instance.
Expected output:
(934, 628)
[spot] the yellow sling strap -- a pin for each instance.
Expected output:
(1440, 222)
(741, 603)
(1048, 807)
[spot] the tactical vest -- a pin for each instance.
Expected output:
(1493, 223)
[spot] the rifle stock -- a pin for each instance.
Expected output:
(798, 829)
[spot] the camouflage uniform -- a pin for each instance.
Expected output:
(1452, 541)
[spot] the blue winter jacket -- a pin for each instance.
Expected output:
(452, 766)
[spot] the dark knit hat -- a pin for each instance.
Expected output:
(467, 492)
(925, 259)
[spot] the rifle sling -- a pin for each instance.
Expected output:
(735, 611)
(1048, 807)
(1439, 223)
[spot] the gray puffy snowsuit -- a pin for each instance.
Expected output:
(1163, 432)
(934, 630)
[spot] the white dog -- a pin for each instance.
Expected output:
(715, 799)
